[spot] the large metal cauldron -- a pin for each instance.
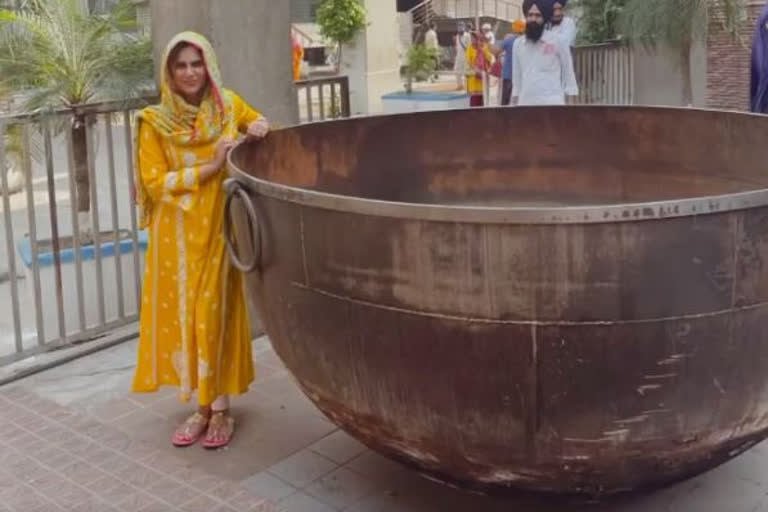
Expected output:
(567, 300)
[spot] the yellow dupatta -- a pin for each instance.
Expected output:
(180, 123)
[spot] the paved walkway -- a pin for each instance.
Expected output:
(53, 458)
(74, 439)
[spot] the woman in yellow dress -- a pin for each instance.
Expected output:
(194, 331)
(479, 61)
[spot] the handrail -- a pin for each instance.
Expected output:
(320, 81)
(90, 108)
(418, 6)
(308, 90)
(506, 10)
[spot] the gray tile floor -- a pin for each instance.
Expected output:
(53, 458)
(285, 456)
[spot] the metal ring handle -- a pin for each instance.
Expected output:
(233, 188)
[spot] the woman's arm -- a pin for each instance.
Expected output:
(173, 185)
(249, 120)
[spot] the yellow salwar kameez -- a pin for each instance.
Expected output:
(477, 63)
(194, 331)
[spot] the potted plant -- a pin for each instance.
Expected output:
(421, 63)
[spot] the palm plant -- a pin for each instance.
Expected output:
(678, 24)
(421, 63)
(66, 58)
(14, 150)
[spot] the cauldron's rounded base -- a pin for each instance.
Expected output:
(561, 482)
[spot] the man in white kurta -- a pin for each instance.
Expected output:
(490, 37)
(542, 69)
(430, 38)
(431, 43)
(562, 25)
(462, 42)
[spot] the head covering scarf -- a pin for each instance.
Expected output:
(759, 74)
(177, 121)
(546, 7)
(518, 26)
(481, 62)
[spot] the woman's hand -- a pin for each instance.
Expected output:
(258, 129)
(222, 148)
(212, 168)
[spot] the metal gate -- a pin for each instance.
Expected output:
(605, 73)
(62, 281)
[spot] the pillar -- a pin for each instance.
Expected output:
(252, 39)
(371, 62)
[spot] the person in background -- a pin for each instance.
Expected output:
(479, 61)
(542, 66)
(562, 25)
(462, 42)
(490, 37)
(505, 48)
(759, 69)
(431, 43)
(298, 56)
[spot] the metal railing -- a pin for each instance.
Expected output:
(419, 18)
(323, 98)
(63, 287)
(422, 13)
(60, 288)
(505, 10)
(413, 24)
(605, 74)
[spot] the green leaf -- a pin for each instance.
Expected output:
(421, 61)
(341, 20)
(677, 23)
(599, 20)
(651, 22)
(65, 57)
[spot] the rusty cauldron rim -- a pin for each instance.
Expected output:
(591, 214)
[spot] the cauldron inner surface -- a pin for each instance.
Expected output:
(560, 156)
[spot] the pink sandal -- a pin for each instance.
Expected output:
(191, 430)
(221, 428)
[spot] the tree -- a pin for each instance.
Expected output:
(66, 58)
(341, 21)
(678, 24)
(598, 22)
